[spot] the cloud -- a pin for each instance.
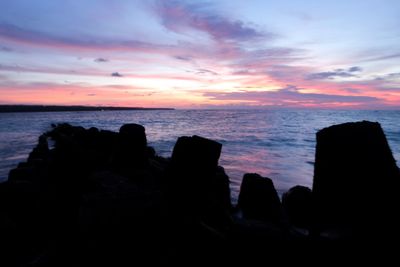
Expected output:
(78, 43)
(390, 76)
(100, 60)
(116, 74)
(225, 49)
(394, 75)
(5, 49)
(329, 75)
(206, 71)
(270, 56)
(241, 72)
(355, 69)
(269, 64)
(181, 17)
(338, 73)
(183, 58)
(33, 37)
(291, 95)
(384, 57)
(51, 70)
(352, 90)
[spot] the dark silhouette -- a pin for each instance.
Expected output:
(258, 199)
(355, 182)
(101, 198)
(131, 147)
(297, 203)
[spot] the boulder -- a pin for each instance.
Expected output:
(258, 199)
(106, 142)
(26, 173)
(355, 179)
(196, 186)
(41, 150)
(222, 192)
(133, 134)
(194, 164)
(297, 203)
(116, 214)
(131, 147)
(196, 154)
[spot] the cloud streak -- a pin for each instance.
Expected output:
(33, 37)
(116, 74)
(389, 77)
(383, 57)
(292, 95)
(338, 73)
(5, 49)
(181, 17)
(183, 51)
(101, 60)
(183, 58)
(206, 71)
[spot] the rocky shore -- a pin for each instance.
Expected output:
(90, 197)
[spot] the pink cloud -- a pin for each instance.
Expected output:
(41, 39)
(182, 17)
(291, 96)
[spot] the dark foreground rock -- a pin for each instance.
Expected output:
(355, 182)
(101, 198)
(258, 199)
(297, 203)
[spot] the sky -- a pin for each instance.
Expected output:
(201, 54)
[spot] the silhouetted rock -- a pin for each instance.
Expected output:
(106, 142)
(355, 181)
(198, 191)
(131, 147)
(24, 173)
(193, 167)
(41, 150)
(258, 198)
(222, 192)
(151, 152)
(196, 154)
(297, 203)
(133, 135)
(120, 213)
(194, 170)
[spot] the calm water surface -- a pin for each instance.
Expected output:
(279, 144)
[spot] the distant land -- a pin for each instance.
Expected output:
(53, 108)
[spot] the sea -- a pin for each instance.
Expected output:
(279, 144)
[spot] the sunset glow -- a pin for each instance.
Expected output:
(201, 54)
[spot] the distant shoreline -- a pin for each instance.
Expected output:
(55, 108)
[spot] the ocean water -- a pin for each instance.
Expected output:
(279, 144)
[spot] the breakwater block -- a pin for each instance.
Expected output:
(355, 179)
(258, 198)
